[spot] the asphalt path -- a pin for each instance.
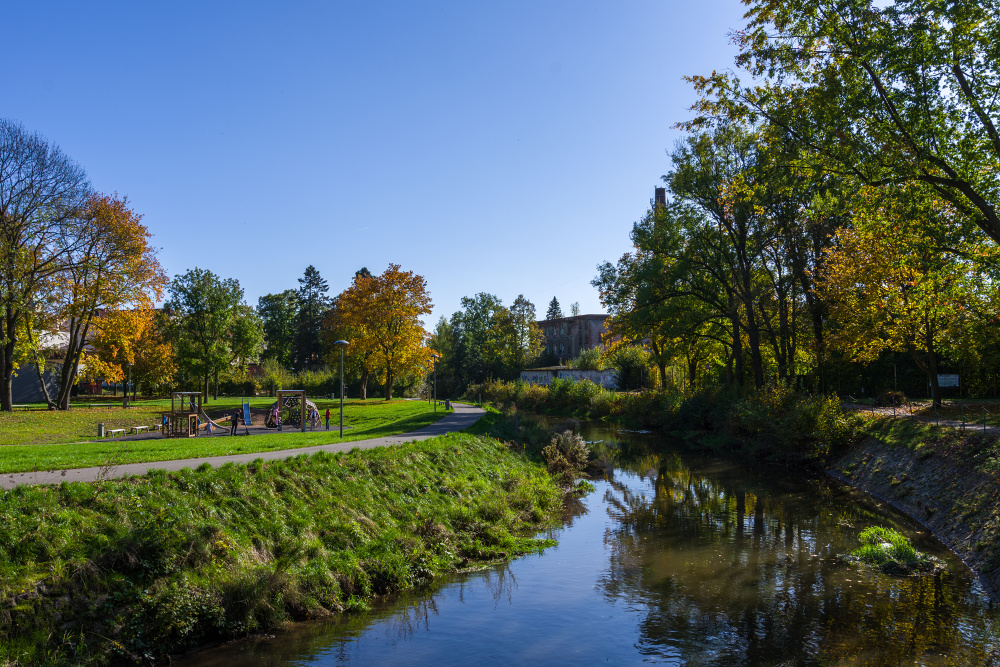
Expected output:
(463, 417)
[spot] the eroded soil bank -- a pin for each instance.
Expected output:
(947, 483)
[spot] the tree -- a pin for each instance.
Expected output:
(528, 338)
(130, 338)
(346, 321)
(279, 315)
(41, 195)
(889, 287)
(113, 267)
(904, 92)
(246, 336)
(554, 312)
(574, 309)
(204, 318)
(385, 312)
(313, 306)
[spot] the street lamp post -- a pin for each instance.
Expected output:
(128, 383)
(341, 344)
(435, 357)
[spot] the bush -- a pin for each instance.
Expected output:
(589, 360)
(631, 364)
(891, 397)
(566, 456)
(783, 425)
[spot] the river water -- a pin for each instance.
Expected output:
(675, 559)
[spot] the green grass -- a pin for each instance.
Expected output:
(881, 546)
(133, 570)
(50, 440)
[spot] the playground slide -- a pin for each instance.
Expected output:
(205, 419)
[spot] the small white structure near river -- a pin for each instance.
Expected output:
(544, 376)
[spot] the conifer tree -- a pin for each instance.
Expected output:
(555, 311)
(313, 306)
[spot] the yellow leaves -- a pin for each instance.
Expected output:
(382, 315)
(129, 338)
(882, 290)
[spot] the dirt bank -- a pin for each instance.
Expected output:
(944, 485)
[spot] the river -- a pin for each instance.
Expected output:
(675, 559)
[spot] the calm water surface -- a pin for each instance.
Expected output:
(676, 559)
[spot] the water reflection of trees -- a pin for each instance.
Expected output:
(735, 569)
(339, 640)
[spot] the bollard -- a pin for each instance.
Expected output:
(963, 417)
(100, 430)
(984, 420)
(893, 407)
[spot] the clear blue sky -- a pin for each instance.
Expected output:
(502, 147)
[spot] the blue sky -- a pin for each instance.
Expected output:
(490, 147)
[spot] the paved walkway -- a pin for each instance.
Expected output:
(463, 417)
(973, 420)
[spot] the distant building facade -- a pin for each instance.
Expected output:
(544, 376)
(566, 337)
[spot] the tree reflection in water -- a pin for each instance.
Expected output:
(735, 567)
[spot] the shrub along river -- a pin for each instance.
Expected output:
(676, 559)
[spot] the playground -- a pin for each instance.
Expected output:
(54, 440)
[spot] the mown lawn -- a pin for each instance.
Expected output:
(43, 440)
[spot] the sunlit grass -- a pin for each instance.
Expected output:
(43, 440)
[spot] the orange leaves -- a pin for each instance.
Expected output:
(129, 338)
(383, 315)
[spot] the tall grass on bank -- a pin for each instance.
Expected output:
(141, 568)
(775, 423)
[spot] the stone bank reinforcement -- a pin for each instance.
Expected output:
(947, 482)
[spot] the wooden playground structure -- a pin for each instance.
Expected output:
(182, 420)
(295, 401)
(186, 415)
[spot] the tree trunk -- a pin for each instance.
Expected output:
(41, 382)
(388, 384)
(737, 349)
(364, 384)
(204, 389)
(7, 361)
(40, 369)
(215, 393)
(753, 337)
(71, 366)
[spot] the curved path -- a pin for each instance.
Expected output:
(463, 417)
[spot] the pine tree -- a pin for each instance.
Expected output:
(554, 312)
(313, 305)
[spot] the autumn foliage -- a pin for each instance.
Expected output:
(380, 317)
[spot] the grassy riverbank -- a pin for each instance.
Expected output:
(153, 565)
(47, 440)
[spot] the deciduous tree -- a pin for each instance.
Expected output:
(889, 287)
(888, 93)
(133, 338)
(279, 315)
(41, 195)
(384, 314)
(113, 267)
(205, 317)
